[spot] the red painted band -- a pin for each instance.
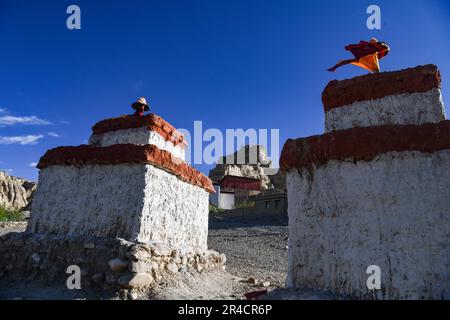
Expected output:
(151, 121)
(363, 144)
(122, 154)
(379, 85)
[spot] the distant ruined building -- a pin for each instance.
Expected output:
(243, 175)
(373, 190)
(250, 161)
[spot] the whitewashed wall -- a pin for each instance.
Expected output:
(139, 136)
(134, 202)
(393, 212)
(175, 212)
(410, 108)
(226, 201)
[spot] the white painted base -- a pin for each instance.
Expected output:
(136, 202)
(139, 136)
(411, 108)
(393, 212)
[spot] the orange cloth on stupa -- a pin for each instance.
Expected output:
(367, 55)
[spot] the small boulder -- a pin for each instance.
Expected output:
(133, 295)
(183, 270)
(138, 254)
(118, 265)
(161, 249)
(141, 266)
(89, 245)
(172, 267)
(135, 280)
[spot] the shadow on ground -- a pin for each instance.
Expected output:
(216, 221)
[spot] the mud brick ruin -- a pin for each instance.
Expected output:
(373, 190)
(126, 208)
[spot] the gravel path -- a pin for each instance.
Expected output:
(253, 249)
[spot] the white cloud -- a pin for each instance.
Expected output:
(22, 140)
(7, 170)
(53, 134)
(2, 110)
(12, 120)
(33, 164)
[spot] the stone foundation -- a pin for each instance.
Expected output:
(106, 264)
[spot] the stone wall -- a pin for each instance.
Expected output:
(107, 264)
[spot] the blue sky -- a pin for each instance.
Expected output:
(231, 64)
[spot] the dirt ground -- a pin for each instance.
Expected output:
(254, 249)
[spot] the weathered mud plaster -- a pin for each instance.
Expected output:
(175, 212)
(393, 211)
(408, 108)
(125, 154)
(137, 202)
(138, 136)
(373, 190)
(340, 93)
(151, 122)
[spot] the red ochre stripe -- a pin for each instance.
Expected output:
(122, 154)
(151, 121)
(379, 85)
(363, 144)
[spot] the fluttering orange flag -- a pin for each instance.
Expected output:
(367, 55)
